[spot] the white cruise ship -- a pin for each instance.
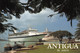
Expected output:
(27, 35)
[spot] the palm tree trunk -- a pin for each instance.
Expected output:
(60, 40)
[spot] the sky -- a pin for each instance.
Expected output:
(41, 21)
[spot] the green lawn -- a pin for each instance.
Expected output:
(44, 49)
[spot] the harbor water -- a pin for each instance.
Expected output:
(4, 43)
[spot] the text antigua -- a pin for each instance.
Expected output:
(63, 46)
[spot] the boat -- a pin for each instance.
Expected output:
(30, 35)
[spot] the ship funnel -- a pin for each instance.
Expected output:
(14, 31)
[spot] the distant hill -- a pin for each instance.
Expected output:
(3, 40)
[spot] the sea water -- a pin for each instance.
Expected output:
(2, 45)
(25, 43)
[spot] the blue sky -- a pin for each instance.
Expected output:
(41, 21)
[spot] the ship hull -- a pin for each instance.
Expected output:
(33, 38)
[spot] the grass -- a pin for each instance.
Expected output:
(44, 49)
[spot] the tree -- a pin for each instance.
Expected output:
(7, 9)
(77, 33)
(71, 8)
(61, 34)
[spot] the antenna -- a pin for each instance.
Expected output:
(46, 30)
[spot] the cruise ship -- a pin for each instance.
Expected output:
(27, 35)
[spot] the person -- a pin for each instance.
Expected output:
(15, 46)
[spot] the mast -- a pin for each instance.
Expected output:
(46, 30)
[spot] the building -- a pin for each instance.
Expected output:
(77, 39)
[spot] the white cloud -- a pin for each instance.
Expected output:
(33, 20)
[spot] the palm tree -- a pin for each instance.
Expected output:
(7, 9)
(71, 8)
(77, 33)
(60, 34)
